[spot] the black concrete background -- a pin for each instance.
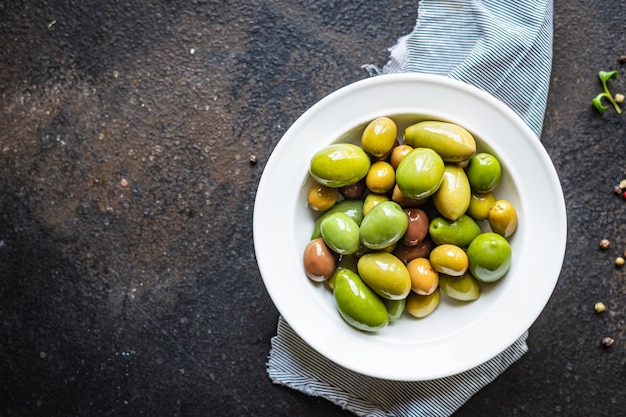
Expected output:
(128, 282)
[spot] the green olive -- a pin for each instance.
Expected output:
(502, 218)
(385, 274)
(351, 208)
(479, 206)
(358, 305)
(453, 196)
(383, 226)
(339, 165)
(340, 233)
(372, 200)
(459, 232)
(421, 306)
(420, 173)
(489, 257)
(463, 288)
(395, 308)
(449, 259)
(451, 141)
(379, 136)
(484, 172)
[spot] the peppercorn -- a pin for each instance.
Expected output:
(607, 342)
(620, 261)
(605, 243)
(599, 307)
(252, 159)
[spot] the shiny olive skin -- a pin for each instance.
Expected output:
(353, 191)
(463, 288)
(341, 233)
(404, 201)
(339, 165)
(372, 200)
(419, 173)
(424, 278)
(381, 177)
(452, 199)
(479, 206)
(351, 208)
(489, 257)
(322, 198)
(379, 136)
(451, 141)
(385, 274)
(407, 253)
(383, 226)
(502, 218)
(484, 172)
(418, 226)
(398, 153)
(358, 305)
(395, 308)
(459, 232)
(420, 306)
(319, 261)
(449, 259)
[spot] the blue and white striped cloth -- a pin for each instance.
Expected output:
(504, 48)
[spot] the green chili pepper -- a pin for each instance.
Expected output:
(597, 102)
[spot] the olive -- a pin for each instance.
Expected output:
(453, 196)
(398, 153)
(339, 165)
(381, 177)
(405, 201)
(341, 233)
(408, 253)
(484, 172)
(351, 208)
(451, 141)
(322, 198)
(502, 218)
(372, 200)
(383, 226)
(353, 191)
(358, 305)
(385, 274)
(449, 259)
(459, 232)
(418, 226)
(421, 306)
(463, 288)
(420, 173)
(489, 257)
(395, 308)
(424, 278)
(479, 205)
(379, 136)
(319, 260)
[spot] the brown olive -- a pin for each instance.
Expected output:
(405, 201)
(398, 153)
(407, 253)
(353, 191)
(418, 226)
(319, 260)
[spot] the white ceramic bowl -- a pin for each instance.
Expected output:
(456, 336)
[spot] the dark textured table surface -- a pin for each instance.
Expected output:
(128, 281)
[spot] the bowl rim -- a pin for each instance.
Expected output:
(320, 337)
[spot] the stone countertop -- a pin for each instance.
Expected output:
(128, 281)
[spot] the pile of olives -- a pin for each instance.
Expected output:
(400, 221)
